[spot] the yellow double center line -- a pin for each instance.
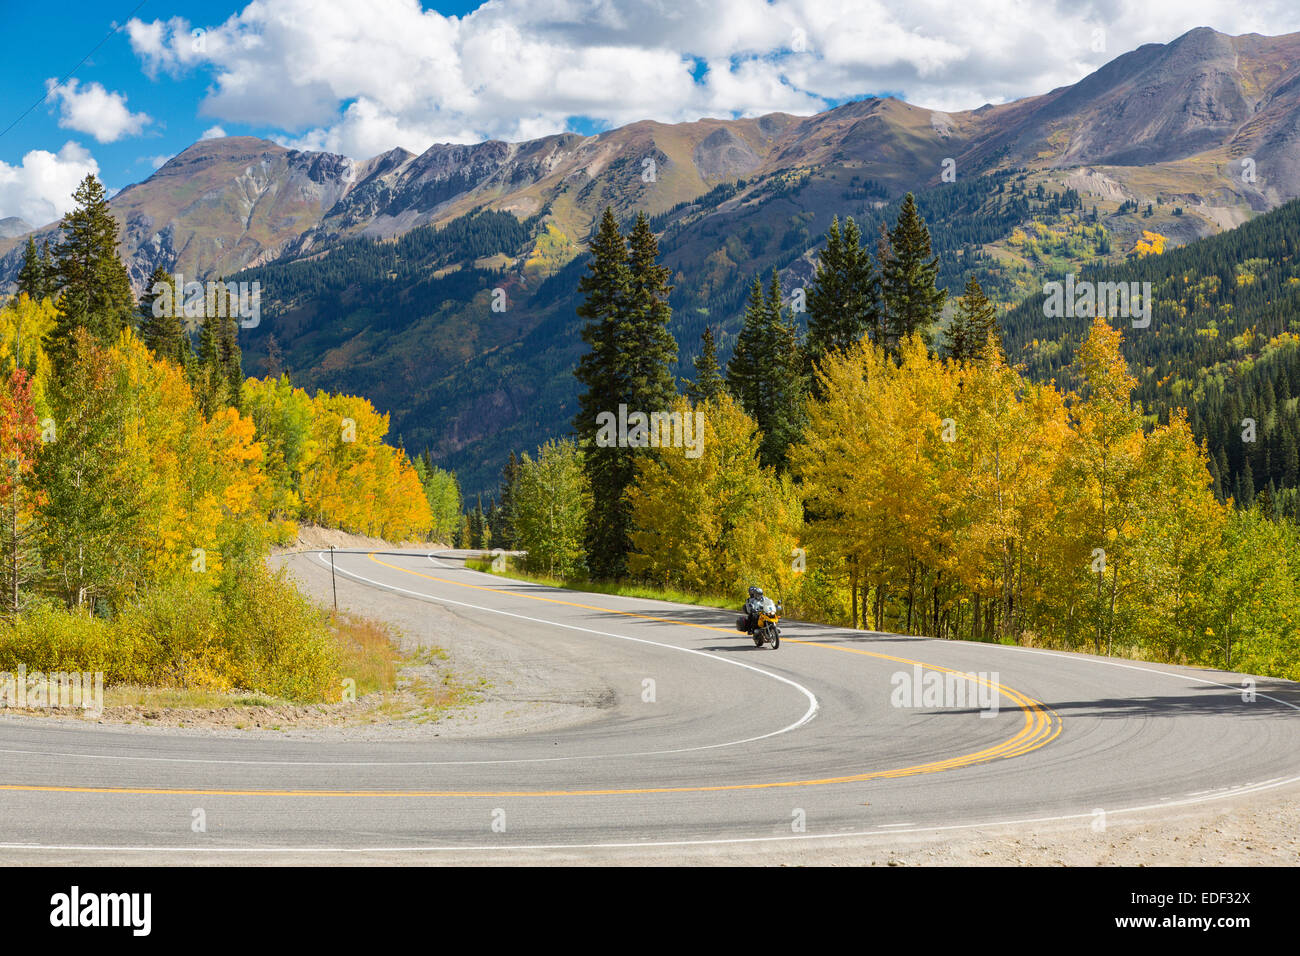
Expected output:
(1041, 726)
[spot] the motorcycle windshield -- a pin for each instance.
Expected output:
(769, 607)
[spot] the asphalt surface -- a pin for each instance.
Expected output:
(700, 740)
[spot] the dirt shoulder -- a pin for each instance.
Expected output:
(515, 688)
(313, 537)
(429, 689)
(1255, 830)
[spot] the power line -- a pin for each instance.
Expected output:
(73, 70)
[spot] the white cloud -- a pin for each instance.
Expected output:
(213, 132)
(404, 76)
(94, 110)
(158, 162)
(40, 189)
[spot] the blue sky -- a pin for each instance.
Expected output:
(56, 35)
(362, 76)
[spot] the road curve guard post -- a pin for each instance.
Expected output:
(334, 584)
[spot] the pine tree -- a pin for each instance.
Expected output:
(1225, 472)
(94, 289)
(1216, 478)
(1290, 459)
(766, 372)
(629, 363)
(51, 288)
(913, 302)
(503, 529)
(1245, 486)
(209, 351)
(792, 385)
(230, 360)
(160, 285)
(206, 374)
(33, 279)
(217, 372)
(967, 338)
(492, 525)
(844, 298)
(654, 350)
(477, 526)
(745, 371)
(604, 372)
(163, 329)
(709, 383)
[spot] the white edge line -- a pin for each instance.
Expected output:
(809, 714)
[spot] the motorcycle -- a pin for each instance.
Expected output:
(765, 630)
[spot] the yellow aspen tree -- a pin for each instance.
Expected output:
(708, 517)
(1105, 466)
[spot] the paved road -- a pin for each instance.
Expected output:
(701, 740)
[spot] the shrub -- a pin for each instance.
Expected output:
(181, 629)
(261, 636)
(277, 641)
(53, 639)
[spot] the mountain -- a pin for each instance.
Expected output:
(1176, 117)
(12, 227)
(1204, 95)
(224, 204)
(359, 293)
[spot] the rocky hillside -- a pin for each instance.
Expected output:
(1175, 119)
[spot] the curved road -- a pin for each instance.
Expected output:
(702, 740)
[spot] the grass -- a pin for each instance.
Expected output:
(619, 588)
(365, 649)
(367, 652)
(433, 699)
(182, 698)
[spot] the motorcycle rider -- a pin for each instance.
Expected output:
(752, 608)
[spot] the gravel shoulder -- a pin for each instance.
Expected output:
(515, 688)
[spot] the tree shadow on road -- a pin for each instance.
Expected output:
(1202, 701)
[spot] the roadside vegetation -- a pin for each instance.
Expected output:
(514, 568)
(144, 480)
(349, 662)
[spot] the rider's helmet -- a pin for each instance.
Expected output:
(756, 592)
